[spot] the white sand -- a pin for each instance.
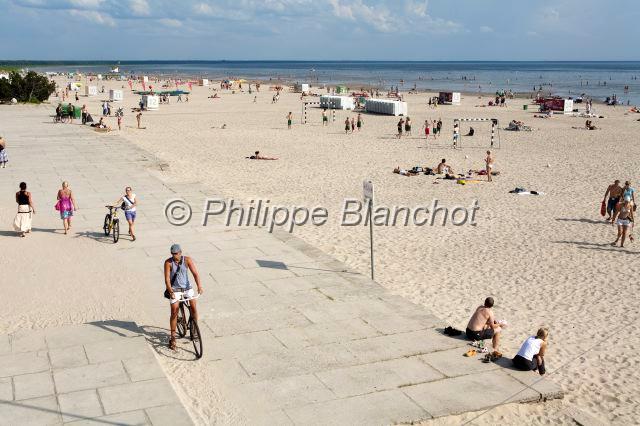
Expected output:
(545, 259)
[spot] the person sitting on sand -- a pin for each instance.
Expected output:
(444, 168)
(471, 132)
(589, 125)
(483, 325)
(257, 156)
(530, 357)
(404, 172)
(101, 124)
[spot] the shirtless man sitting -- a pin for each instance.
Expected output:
(483, 325)
(444, 168)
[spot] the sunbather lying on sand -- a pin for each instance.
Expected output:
(257, 156)
(404, 172)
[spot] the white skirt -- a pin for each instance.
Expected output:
(22, 222)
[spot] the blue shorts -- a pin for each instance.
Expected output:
(130, 215)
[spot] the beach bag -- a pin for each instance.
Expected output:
(603, 208)
(57, 206)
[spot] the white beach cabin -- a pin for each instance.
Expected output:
(386, 107)
(151, 102)
(145, 79)
(336, 102)
(301, 88)
(91, 90)
(203, 82)
(115, 95)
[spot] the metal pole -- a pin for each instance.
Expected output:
(371, 233)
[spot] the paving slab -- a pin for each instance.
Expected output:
(90, 376)
(72, 356)
(6, 389)
(453, 363)
(473, 392)
(111, 350)
(243, 322)
(35, 385)
(36, 412)
(324, 333)
(23, 363)
(380, 408)
(281, 393)
(136, 396)
(80, 405)
(169, 415)
(374, 377)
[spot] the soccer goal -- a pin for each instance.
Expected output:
(458, 136)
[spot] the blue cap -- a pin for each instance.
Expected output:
(176, 249)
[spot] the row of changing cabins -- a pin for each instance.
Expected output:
(376, 106)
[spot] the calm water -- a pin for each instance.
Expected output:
(596, 79)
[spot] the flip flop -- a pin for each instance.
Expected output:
(470, 353)
(172, 343)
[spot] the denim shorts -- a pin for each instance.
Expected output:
(130, 215)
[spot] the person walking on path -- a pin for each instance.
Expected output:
(176, 280)
(407, 126)
(22, 222)
(359, 122)
(128, 203)
(4, 158)
(138, 118)
(347, 126)
(66, 205)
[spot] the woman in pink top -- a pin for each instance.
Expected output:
(66, 205)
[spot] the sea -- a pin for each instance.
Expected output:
(597, 80)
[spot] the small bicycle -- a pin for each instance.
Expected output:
(63, 118)
(112, 223)
(191, 325)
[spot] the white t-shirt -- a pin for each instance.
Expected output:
(530, 348)
(129, 205)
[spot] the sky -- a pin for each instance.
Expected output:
(421, 30)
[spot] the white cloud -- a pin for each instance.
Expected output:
(86, 4)
(170, 22)
(140, 7)
(485, 29)
(551, 14)
(417, 7)
(97, 17)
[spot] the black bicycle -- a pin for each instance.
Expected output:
(112, 223)
(190, 325)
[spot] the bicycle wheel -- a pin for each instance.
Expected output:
(182, 322)
(116, 230)
(107, 222)
(196, 338)
(64, 119)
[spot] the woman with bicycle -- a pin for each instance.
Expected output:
(128, 203)
(176, 279)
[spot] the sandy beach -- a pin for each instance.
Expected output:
(546, 259)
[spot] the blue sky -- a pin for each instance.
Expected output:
(320, 29)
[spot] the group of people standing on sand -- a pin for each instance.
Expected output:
(484, 326)
(432, 127)
(66, 205)
(620, 205)
(350, 124)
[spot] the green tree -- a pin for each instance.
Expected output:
(32, 87)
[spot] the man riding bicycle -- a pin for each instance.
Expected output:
(176, 279)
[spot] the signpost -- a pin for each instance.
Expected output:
(367, 192)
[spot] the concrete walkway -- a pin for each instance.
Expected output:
(291, 335)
